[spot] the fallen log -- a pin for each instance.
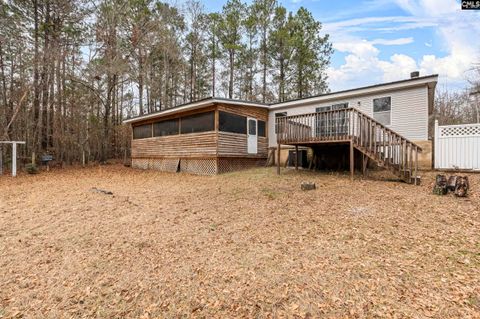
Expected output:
(98, 190)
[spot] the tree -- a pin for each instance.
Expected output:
(71, 71)
(281, 43)
(264, 10)
(195, 41)
(212, 25)
(249, 55)
(231, 35)
(312, 55)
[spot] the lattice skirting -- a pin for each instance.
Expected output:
(235, 164)
(160, 164)
(198, 166)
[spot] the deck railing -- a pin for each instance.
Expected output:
(372, 138)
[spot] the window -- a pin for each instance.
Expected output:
(323, 109)
(165, 128)
(340, 106)
(233, 123)
(277, 115)
(202, 122)
(261, 128)
(331, 123)
(382, 108)
(142, 131)
(252, 127)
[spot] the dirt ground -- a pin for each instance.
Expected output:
(241, 245)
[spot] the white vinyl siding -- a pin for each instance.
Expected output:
(409, 111)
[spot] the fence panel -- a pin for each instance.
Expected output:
(457, 146)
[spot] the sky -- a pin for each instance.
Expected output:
(379, 41)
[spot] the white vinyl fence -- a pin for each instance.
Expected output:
(457, 146)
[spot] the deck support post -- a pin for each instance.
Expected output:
(296, 157)
(278, 158)
(364, 164)
(352, 166)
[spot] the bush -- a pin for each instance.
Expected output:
(31, 169)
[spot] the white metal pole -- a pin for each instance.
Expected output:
(436, 145)
(14, 159)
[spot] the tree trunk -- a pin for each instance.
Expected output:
(232, 69)
(264, 78)
(36, 77)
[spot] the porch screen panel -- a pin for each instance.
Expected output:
(203, 122)
(261, 128)
(233, 123)
(142, 131)
(165, 128)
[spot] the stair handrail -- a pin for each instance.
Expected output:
(385, 127)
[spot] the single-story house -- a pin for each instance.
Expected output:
(387, 123)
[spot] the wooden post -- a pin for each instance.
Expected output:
(352, 164)
(33, 158)
(296, 157)
(364, 164)
(278, 158)
(416, 165)
(1, 160)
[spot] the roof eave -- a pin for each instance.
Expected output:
(429, 80)
(192, 106)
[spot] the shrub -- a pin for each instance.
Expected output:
(31, 169)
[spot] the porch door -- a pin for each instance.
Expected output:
(252, 132)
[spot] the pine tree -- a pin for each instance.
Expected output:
(231, 36)
(281, 43)
(312, 55)
(265, 11)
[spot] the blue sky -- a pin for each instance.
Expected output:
(379, 40)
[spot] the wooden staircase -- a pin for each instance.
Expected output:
(374, 140)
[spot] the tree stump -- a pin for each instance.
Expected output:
(306, 186)
(452, 182)
(440, 187)
(461, 186)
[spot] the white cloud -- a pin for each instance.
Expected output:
(455, 30)
(399, 41)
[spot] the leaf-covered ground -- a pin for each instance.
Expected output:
(246, 244)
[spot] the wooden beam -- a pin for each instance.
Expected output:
(296, 157)
(364, 164)
(278, 158)
(352, 164)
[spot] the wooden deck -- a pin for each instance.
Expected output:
(372, 139)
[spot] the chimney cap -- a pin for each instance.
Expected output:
(414, 74)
